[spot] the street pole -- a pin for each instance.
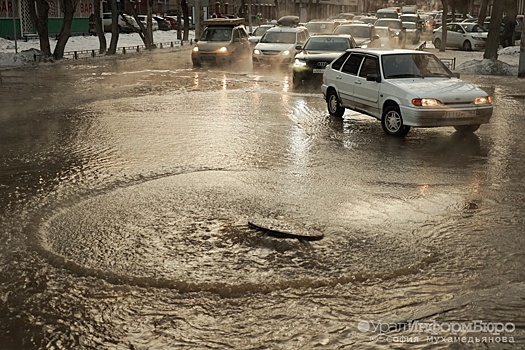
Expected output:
(14, 26)
(197, 18)
(521, 67)
(250, 16)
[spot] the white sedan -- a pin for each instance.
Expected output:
(403, 89)
(465, 36)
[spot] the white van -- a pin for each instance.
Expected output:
(126, 23)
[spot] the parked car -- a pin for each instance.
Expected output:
(403, 89)
(126, 23)
(223, 40)
(397, 31)
(163, 23)
(362, 33)
(278, 45)
(318, 51)
(144, 19)
(465, 36)
(257, 34)
(321, 27)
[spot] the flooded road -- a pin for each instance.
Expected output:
(126, 187)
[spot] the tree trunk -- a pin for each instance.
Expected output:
(65, 32)
(483, 11)
(444, 26)
(143, 32)
(98, 28)
(521, 67)
(114, 27)
(493, 39)
(185, 14)
(150, 26)
(39, 12)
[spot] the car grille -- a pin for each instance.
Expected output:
(270, 52)
(317, 64)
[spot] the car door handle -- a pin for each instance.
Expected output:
(339, 77)
(358, 82)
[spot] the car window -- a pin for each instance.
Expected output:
(356, 31)
(327, 44)
(339, 61)
(398, 66)
(279, 37)
(236, 34)
(216, 34)
(352, 64)
(370, 66)
(259, 31)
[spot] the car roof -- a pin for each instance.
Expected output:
(383, 52)
(287, 29)
(348, 36)
(356, 25)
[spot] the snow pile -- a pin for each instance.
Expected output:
(487, 67)
(24, 58)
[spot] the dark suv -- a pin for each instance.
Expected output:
(223, 40)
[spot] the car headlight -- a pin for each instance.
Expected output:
(256, 52)
(195, 49)
(223, 49)
(285, 52)
(483, 100)
(477, 38)
(426, 102)
(299, 62)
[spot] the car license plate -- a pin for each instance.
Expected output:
(460, 114)
(317, 70)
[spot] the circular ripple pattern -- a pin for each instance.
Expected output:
(190, 232)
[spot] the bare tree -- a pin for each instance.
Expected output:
(69, 7)
(185, 14)
(483, 11)
(39, 13)
(99, 28)
(493, 38)
(114, 27)
(444, 26)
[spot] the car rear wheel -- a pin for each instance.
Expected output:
(467, 128)
(334, 107)
(467, 46)
(392, 122)
(437, 43)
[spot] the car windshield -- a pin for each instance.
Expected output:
(415, 65)
(355, 31)
(382, 32)
(278, 37)
(259, 31)
(320, 28)
(216, 34)
(409, 25)
(473, 28)
(394, 24)
(327, 44)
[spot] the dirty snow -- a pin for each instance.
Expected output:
(467, 62)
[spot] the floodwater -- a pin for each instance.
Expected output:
(126, 187)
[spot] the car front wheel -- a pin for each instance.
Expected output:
(467, 128)
(467, 46)
(334, 107)
(392, 122)
(437, 43)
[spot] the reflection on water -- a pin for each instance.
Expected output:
(124, 217)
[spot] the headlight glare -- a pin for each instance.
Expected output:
(223, 49)
(483, 100)
(299, 62)
(196, 49)
(256, 52)
(426, 102)
(285, 53)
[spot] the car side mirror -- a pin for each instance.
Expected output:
(376, 36)
(195, 40)
(373, 77)
(298, 47)
(237, 40)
